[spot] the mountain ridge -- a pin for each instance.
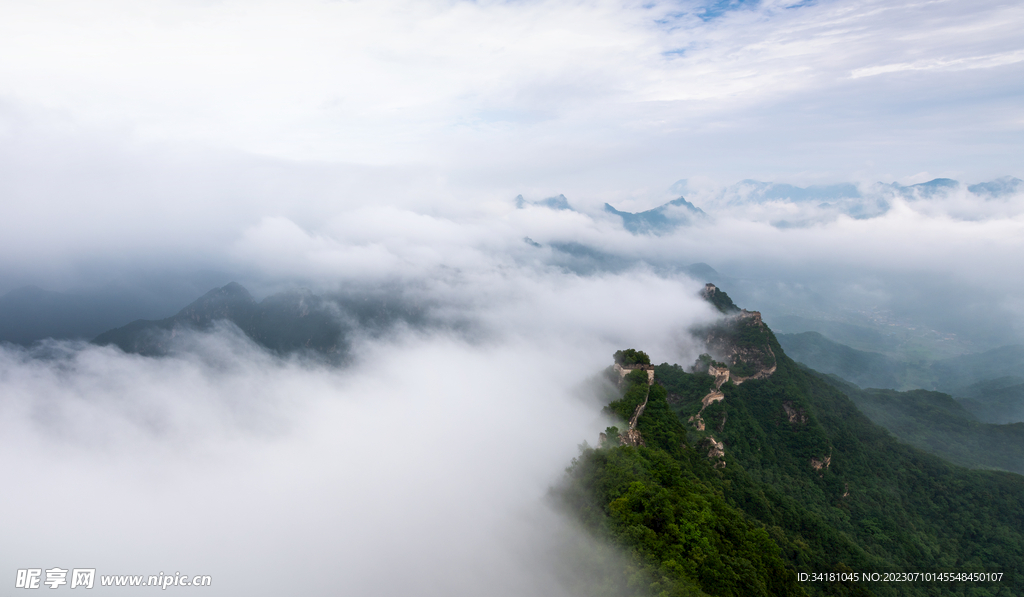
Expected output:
(661, 219)
(786, 476)
(818, 203)
(284, 322)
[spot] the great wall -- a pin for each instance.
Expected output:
(723, 339)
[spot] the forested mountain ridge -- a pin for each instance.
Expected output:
(938, 423)
(294, 321)
(784, 476)
(283, 322)
(980, 425)
(999, 400)
(955, 375)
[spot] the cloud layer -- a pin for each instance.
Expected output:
(432, 453)
(587, 93)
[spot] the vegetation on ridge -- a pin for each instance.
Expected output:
(683, 536)
(717, 297)
(631, 356)
(809, 485)
(937, 423)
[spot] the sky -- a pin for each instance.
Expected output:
(562, 93)
(351, 146)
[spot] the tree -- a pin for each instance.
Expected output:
(631, 356)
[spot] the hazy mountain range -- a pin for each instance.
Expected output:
(285, 322)
(297, 320)
(816, 202)
(988, 385)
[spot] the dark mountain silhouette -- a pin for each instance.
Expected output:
(863, 368)
(290, 321)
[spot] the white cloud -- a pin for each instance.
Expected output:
(532, 90)
(430, 454)
(972, 62)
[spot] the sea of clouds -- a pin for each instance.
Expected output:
(434, 450)
(375, 150)
(425, 465)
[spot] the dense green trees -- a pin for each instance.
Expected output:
(683, 536)
(631, 356)
(937, 423)
(720, 300)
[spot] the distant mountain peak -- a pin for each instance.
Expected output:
(291, 320)
(556, 203)
(759, 191)
(661, 219)
(231, 301)
(1004, 185)
(234, 288)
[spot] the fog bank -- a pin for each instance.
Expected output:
(432, 454)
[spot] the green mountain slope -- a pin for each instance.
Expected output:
(866, 369)
(988, 384)
(957, 372)
(737, 491)
(937, 423)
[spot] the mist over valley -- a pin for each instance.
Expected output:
(674, 298)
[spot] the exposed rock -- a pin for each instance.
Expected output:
(742, 341)
(697, 422)
(631, 437)
(823, 463)
(795, 415)
(761, 373)
(716, 451)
